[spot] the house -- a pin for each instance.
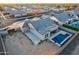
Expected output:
(39, 30)
(22, 8)
(76, 10)
(45, 16)
(47, 8)
(58, 8)
(66, 17)
(36, 11)
(26, 8)
(15, 12)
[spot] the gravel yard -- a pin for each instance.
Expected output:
(19, 44)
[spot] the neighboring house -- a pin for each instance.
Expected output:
(66, 17)
(15, 12)
(47, 8)
(36, 11)
(58, 9)
(45, 16)
(26, 8)
(31, 7)
(39, 30)
(76, 10)
(23, 8)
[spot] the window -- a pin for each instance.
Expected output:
(46, 35)
(52, 32)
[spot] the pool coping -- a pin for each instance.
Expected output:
(61, 41)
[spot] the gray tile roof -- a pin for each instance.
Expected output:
(64, 16)
(42, 25)
(10, 10)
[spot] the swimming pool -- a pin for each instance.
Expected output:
(75, 24)
(61, 38)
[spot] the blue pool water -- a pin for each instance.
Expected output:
(59, 38)
(76, 24)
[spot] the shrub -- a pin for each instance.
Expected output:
(71, 27)
(11, 32)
